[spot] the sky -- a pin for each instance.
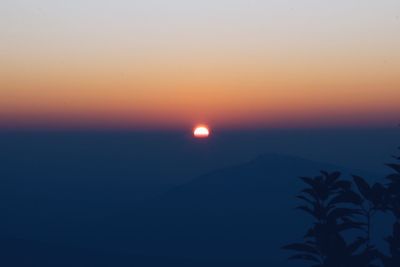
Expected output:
(176, 63)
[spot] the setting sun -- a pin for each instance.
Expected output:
(201, 132)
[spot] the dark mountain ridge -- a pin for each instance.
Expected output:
(234, 216)
(244, 212)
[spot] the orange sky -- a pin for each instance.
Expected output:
(231, 64)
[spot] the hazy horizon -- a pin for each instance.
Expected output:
(173, 64)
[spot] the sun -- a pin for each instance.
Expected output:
(201, 131)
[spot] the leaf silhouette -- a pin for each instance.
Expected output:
(353, 247)
(395, 167)
(347, 197)
(332, 177)
(342, 213)
(344, 185)
(362, 186)
(310, 192)
(348, 225)
(310, 181)
(394, 178)
(334, 206)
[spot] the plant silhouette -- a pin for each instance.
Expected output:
(393, 205)
(333, 206)
(337, 206)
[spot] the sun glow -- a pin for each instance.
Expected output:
(201, 132)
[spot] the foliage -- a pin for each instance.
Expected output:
(336, 208)
(393, 200)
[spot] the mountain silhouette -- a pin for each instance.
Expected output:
(234, 216)
(244, 213)
(246, 185)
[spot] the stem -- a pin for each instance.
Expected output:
(369, 228)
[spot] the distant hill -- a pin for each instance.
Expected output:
(245, 186)
(234, 216)
(245, 212)
(27, 253)
(23, 253)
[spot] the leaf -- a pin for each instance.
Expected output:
(363, 187)
(313, 183)
(394, 177)
(396, 157)
(345, 185)
(348, 225)
(310, 233)
(378, 195)
(320, 210)
(325, 173)
(347, 197)
(310, 192)
(342, 212)
(331, 178)
(353, 247)
(395, 167)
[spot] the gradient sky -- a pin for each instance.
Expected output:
(175, 63)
